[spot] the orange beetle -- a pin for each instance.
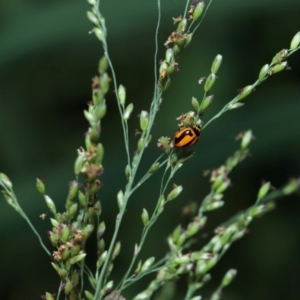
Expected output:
(186, 137)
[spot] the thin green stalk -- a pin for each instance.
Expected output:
(105, 48)
(146, 230)
(148, 175)
(190, 292)
(24, 216)
(208, 5)
(156, 50)
(255, 84)
(59, 290)
(186, 8)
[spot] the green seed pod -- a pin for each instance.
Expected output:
(72, 210)
(64, 234)
(216, 295)
(100, 111)
(101, 229)
(97, 96)
(217, 181)
(116, 251)
(211, 262)
(256, 210)
(65, 254)
(94, 134)
(73, 295)
(120, 198)
(53, 238)
(295, 41)
(173, 159)
(135, 160)
(235, 105)
(89, 116)
(56, 268)
(193, 228)
(100, 154)
(280, 56)
(216, 64)
(216, 244)
(202, 221)
(145, 217)
(101, 246)
(214, 205)
(182, 260)
(87, 141)
(245, 92)
(194, 298)
(75, 249)
(54, 222)
(101, 259)
(176, 233)
(149, 140)
(182, 26)
(229, 276)
(75, 276)
(92, 17)
(188, 39)
(291, 187)
(138, 268)
(277, 58)
(147, 264)
(263, 72)
(50, 204)
(170, 69)
(87, 230)
(181, 239)
(154, 168)
(195, 104)
(103, 65)
(82, 199)
(97, 208)
(163, 67)
(104, 83)
(209, 82)
(169, 55)
(128, 111)
(88, 295)
(40, 186)
(162, 202)
(144, 119)
(175, 193)
(176, 50)
(206, 102)
(140, 144)
(247, 137)
(79, 161)
(73, 190)
(108, 287)
(277, 68)
(6, 181)
(77, 258)
(49, 296)
(127, 172)
(198, 11)
(122, 94)
(263, 190)
(181, 42)
(224, 185)
(98, 33)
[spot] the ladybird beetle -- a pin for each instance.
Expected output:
(186, 137)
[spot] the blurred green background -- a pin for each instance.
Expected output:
(46, 64)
